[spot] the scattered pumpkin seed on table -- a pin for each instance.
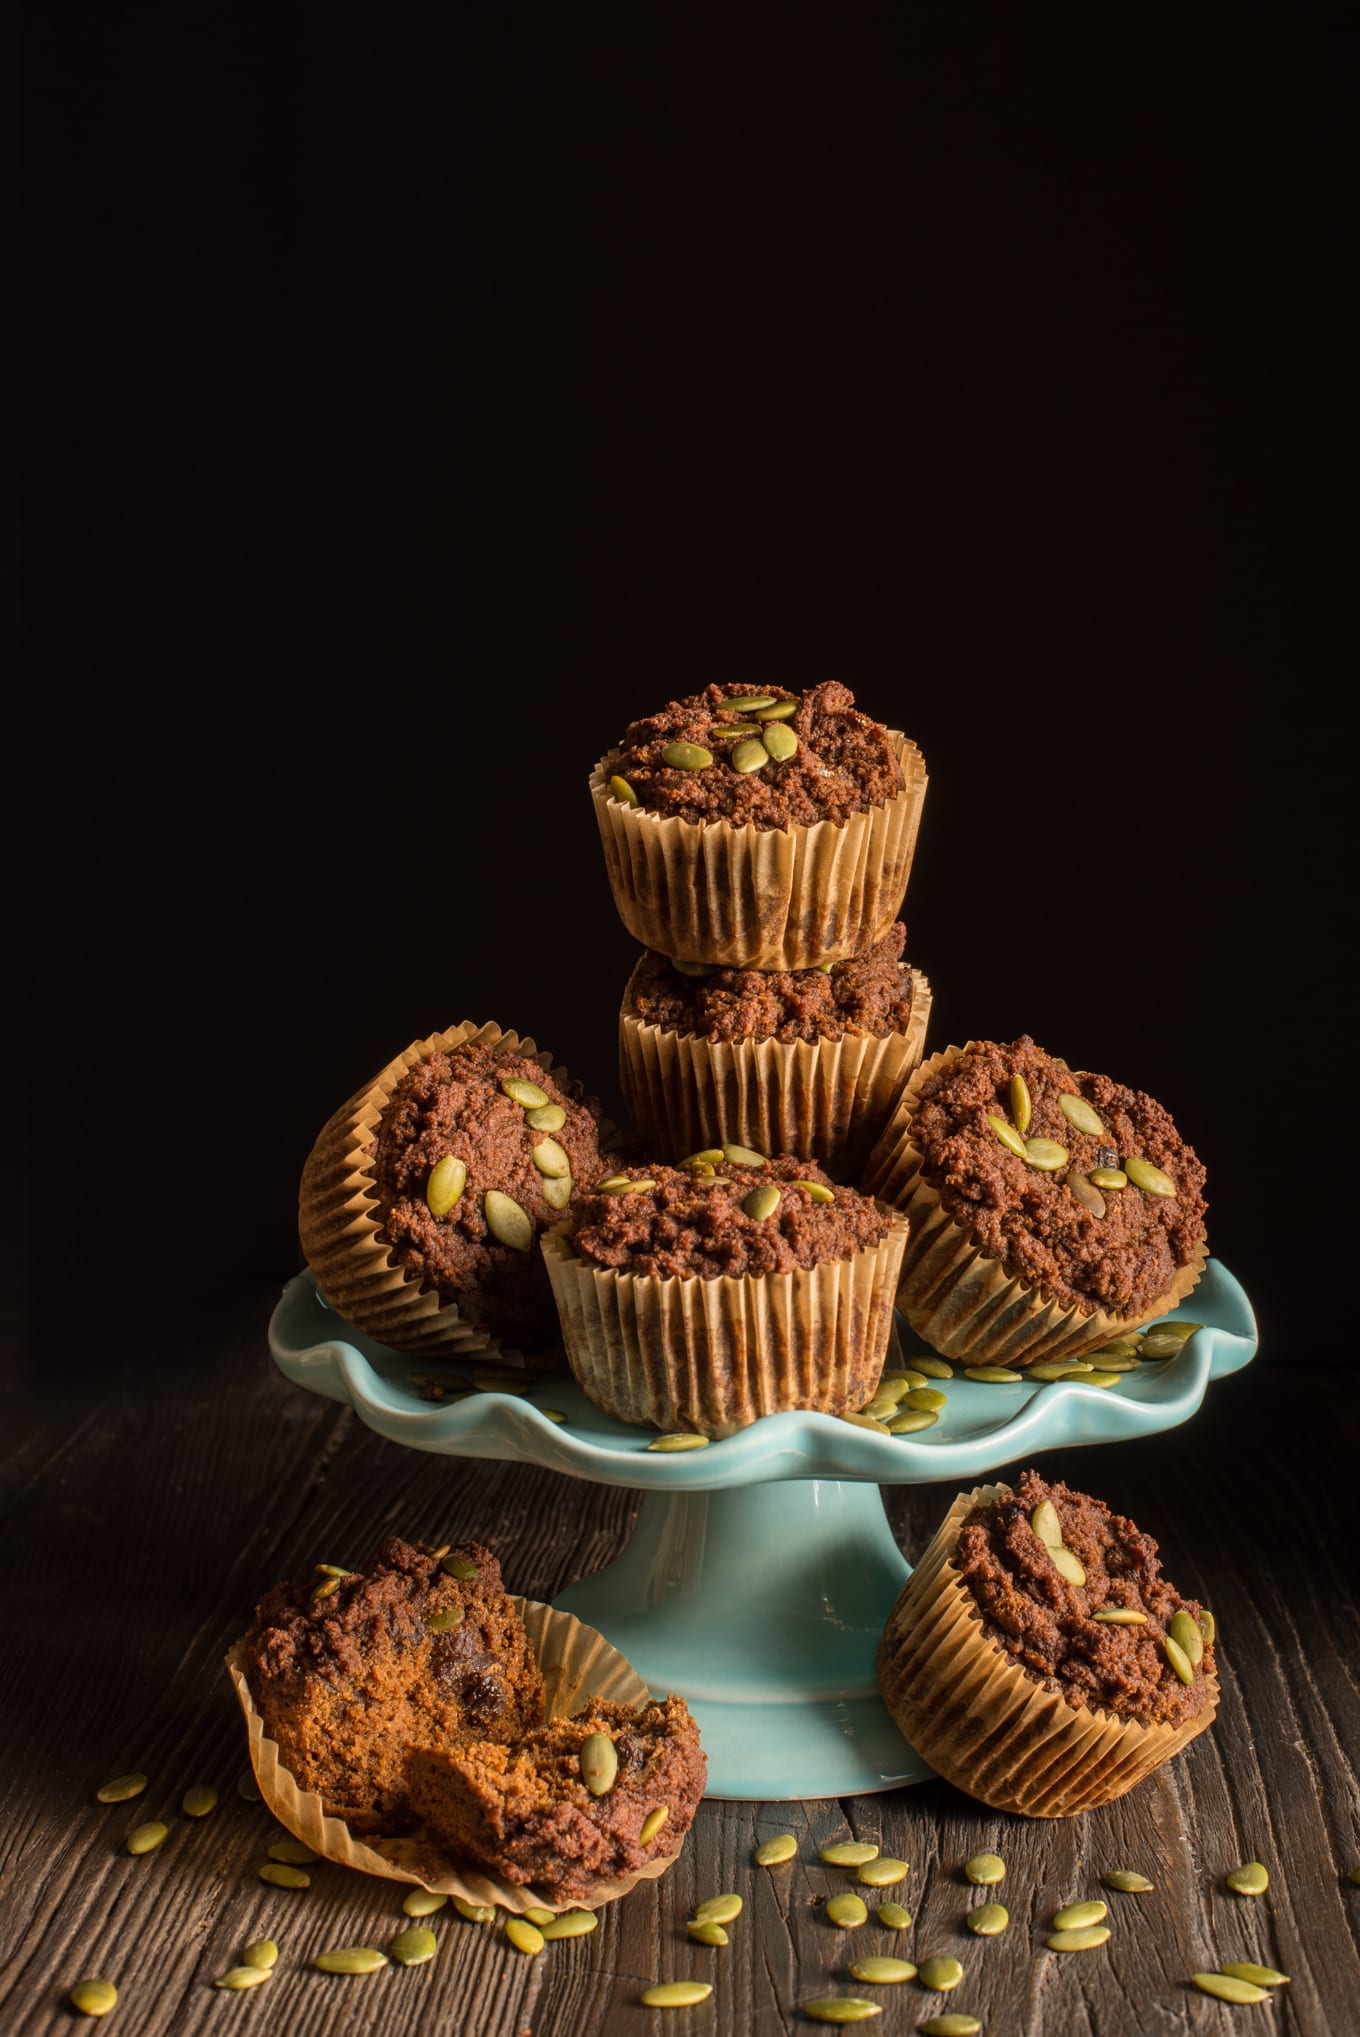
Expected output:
(1084, 1939)
(989, 1920)
(934, 1368)
(940, 1974)
(954, 2024)
(984, 1870)
(928, 1398)
(476, 1913)
(524, 1936)
(841, 2009)
(993, 1375)
(1127, 1880)
(893, 1917)
(350, 1959)
(121, 1789)
(538, 1918)
(880, 1970)
(94, 1997)
(848, 1853)
(146, 1838)
(293, 1851)
(706, 1934)
(678, 1441)
(1102, 1379)
(280, 1876)
(1225, 1988)
(238, 1978)
(676, 1994)
(198, 1801)
(571, 1924)
(847, 1912)
(883, 1872)
(1259, 1976)
(415, 1946)
(260, 1952)
(772, 1852)
(718, 1910)
(912, 1421)
(867, 1422)
(1075, 1916)
(1250, 1879)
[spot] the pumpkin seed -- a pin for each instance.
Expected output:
(728, 731)
(550, 1159)
(711, 1156)
(506, 1221)
(446, 1618)
(884, 1872)
(476, 1913)
(1022, 1109)
(1120, 1616)
(1047, 1525)
(1224, 1987)
(1122, 1363)
(237, 1977)
(1090, 1198)
(571, 1924)
(280, 1876)
(1172, 1333)
(622, 1184)
(989, 1920)
(461, 1567)
(1007, 1134)
(934, 1368)
(261, 1952)
(350, 1959)
(679, 1441)
(94, 1997)
(912, 1421)
(848, 1853)
(676, 1994)
(549, 1117)
(847, 1912)
(1208, 1626)
(1353, 1874)
(1066, 1565)
(1259, 1976)
(328, 1587)
(882, 1407)
(682, 756)
(1084, 1939)
(880, 1970)
(623, 791)
(146, 1838)
(1128, 1881)
(293, 1851)
(524, 1936)
(1150, 1179)
(448, 1179)
(749, 704)
(121, 1789)
(718, 1910)
(1159, 1344)
(1111, 1179)
(1179, 1660)
(415, 1946)
(952, 2025)
(781, 742)
(817, 1191)
(1076, 1916)
(1078, 1112)
(1118, 1347)
(761, 1202)
(553, 1414)
(198, 1801)
(526, 1094)
(780, 711)
(743, 1156)
(707, 1934)
(993, 1375)
(927, 1397)
(599, 1764)
(984, 1870)
(538, 1918)
(1184, 1629)
(1250, 1879)
(247, 1789)
(893, 1917)
(840, 2009)
(866, 1422)
(1046, 1154)
(750, 755)
(1048, 1372)
(423, 1902)
(771, 1852)
(1101, 1379)
(557, 1192)
(940, 1974)
(652, 1824)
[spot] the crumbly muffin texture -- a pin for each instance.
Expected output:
(1045, 1623)
(454, 1104)
(525, 1813)
(349, 1672)
(1083, 1245)
(868, 997)
(841, 762)
(699, 1219)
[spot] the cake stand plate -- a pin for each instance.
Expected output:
(762, 1569)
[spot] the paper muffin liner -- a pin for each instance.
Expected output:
(577, 1664)
(826, 1100)
(712, 1356)
(340, 1226)
(962, 1302)
(761, 898)
(986, 1726)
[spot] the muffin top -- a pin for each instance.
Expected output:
(1078, 1186)
(476, 1154)
(1052, 1626)
(714, 1215)
(866, 998)
(758, 755)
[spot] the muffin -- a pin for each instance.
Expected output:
(528, 1814)
(1051, 1211)
(759, 829)
(793, 1061)
(1037, 1657)
(703, 1296)
(348, 1671)
(424, 1197)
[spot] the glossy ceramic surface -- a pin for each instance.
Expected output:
(762, 1568)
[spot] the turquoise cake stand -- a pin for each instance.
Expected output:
(762, 1569)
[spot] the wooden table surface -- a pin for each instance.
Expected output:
(142, 1525)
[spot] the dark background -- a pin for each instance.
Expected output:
(414, 400)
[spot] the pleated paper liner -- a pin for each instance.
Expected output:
(340, 1226)
(761, 898)
(986, 1726)
(713, 1356)
(577, 1664)
(962, 1302)
(825, 1100)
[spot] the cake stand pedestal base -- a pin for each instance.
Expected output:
(763, 1608)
